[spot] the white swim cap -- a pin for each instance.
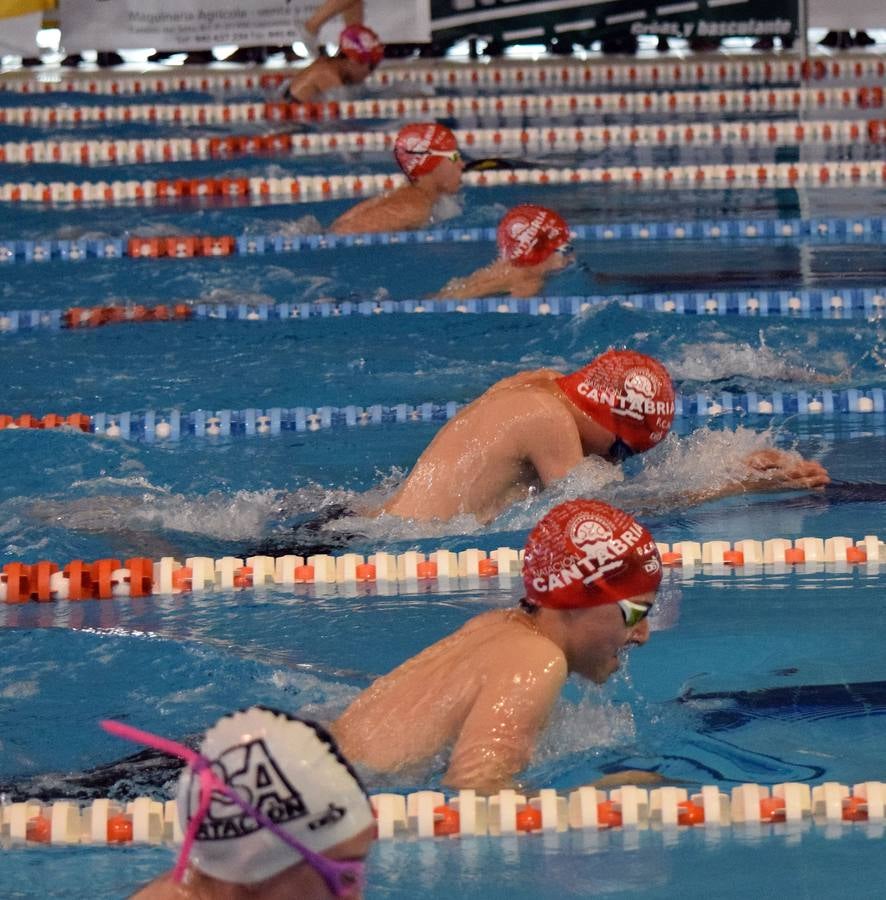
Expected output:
(289, 769)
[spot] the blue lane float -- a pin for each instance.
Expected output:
(172, 425)
(822, 303)
(867, 229)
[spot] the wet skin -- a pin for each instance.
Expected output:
(486, 690)
(406, 207)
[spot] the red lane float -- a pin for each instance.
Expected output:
(180, 246)
(95, 316)
(78, 421)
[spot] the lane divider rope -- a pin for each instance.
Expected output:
(537, 140)
(105, 579)
(173, 424)
(496, 75)
(638, 73)
(836, 303)
(426, 815)
(768, 100)
(317, 188)
(182, 246)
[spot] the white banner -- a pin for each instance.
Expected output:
(201, 24)
(847, 14)
(18, 34)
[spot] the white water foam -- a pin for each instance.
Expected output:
(709, 362)
(589, 724)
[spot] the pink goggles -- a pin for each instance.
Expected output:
(344, 878)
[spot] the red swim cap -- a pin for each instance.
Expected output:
(362, 45)
(627, 393)
(529, 234)
(586, 553)
(417, 144)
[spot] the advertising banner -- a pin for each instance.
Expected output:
(201, 24)
(588, 20)
(847, 14)
(20, 20)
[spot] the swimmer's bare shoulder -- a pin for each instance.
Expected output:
(524, 648)
(519, 680)
(549, 439)
(529, 422)
(537, 406)
(321, 75)
(402, 209)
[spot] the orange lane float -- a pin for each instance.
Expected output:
(39, 830)
(855, 809)
(181, 246)
(95, 316)
(609, 814)
(119, 829)
(78, 421)
(99, 580)
(772, 809)
(528, 819)
(447, 821)
(690, 813)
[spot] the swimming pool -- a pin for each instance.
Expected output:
(753, 676)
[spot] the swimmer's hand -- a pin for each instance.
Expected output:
(778, 470)
(629, 776)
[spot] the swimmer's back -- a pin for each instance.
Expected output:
(478, 463)
(411, 714)
(401, 209)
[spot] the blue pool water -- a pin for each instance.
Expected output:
(763, 677)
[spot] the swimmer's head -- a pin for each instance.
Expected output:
(292, 771)
(361, 45)
(585, 553)
(529, 235)
(426, 148)
(628, 394)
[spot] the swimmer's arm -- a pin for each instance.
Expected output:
(767, 470)
(629, 776)
(499, 734)
(552, 443)
(305, 87)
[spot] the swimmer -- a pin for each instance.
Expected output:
(533, 242)
(359, 52)
(285, 815)
(532, 429)
(428, 155)
(590, 575)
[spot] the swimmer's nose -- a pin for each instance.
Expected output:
(639, 633)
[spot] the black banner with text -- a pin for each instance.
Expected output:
(540, 21)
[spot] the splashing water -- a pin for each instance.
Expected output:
(593, 722)
(235, 517)
(447, 207)
(708, 363)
